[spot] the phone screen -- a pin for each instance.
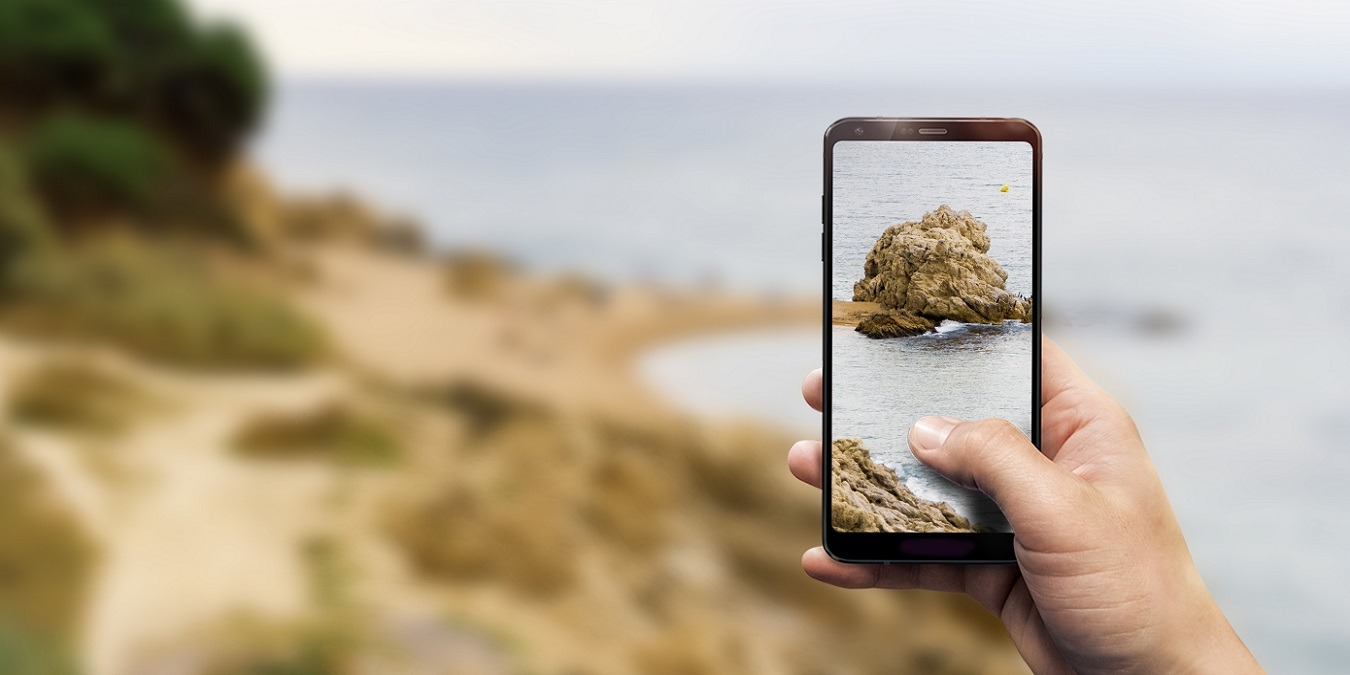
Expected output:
(932, 278)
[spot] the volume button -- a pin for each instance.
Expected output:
(822, 247)
(822, 211)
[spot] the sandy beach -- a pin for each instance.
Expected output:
(845, 313)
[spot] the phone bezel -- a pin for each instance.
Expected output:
(870, 547)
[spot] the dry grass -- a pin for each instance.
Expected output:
(159, 303)
(692, 649)
(477, 276)
(508, 522)
(337, 431)
(483, 409)
(628, 499)
(598, 515)
(46, 565)
(76, 395)
(252, 646)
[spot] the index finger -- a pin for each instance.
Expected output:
(813, 389)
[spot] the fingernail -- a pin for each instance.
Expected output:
(930, 432)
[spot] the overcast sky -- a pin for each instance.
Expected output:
(1164, 41)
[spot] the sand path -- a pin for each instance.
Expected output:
(189, 533)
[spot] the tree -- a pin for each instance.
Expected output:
(202, 86)
(52, 49)
(145, 30)
(212, 94)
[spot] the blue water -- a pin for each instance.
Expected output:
(1228, 210)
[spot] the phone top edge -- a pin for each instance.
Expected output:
(995, 129)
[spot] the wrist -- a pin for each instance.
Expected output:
(1201, 640)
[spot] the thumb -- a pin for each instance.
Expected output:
(995, 457)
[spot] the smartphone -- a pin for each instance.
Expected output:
(932, 252)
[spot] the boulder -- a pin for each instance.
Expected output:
(869, 497)
(895, 324)
(939, 268)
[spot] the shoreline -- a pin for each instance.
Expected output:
(537, 338)
(746, 375)
(692, 315)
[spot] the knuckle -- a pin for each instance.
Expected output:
(1120, 418)
(1126, 419)
(989, 433)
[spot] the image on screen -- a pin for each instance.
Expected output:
(932, 296)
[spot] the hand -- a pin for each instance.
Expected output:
(1103, 581)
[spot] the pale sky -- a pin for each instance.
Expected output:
(1166, 41)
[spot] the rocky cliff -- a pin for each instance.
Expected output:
(869, 497)
(933, 269)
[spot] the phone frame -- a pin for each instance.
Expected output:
(937, 547)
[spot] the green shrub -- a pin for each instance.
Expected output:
(24, 231)
(75, 395)
(80, 164)
(333, 431)
(157, 303)
(23, 652)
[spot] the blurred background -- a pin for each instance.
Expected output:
(422, 337)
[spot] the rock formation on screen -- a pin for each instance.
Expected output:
(869, 497)
(934, 269)
(895, 324)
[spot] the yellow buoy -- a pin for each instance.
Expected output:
(1003, 189)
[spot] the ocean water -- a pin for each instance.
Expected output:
(879, 387)
(762, 388)
(1195, 248)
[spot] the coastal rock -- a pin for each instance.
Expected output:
(895, 324)
(271, 218)
(869, 497)
(939, 268)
